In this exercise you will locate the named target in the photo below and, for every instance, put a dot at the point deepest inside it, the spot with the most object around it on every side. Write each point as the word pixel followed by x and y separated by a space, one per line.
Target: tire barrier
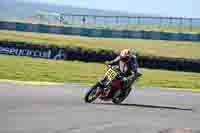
pixel 100 56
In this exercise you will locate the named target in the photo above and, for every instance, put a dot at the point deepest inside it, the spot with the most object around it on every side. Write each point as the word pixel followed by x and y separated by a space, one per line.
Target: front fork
pixel 105 87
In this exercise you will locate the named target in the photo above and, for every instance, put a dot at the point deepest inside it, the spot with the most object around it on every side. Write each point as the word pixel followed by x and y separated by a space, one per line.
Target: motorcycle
pixel 109 89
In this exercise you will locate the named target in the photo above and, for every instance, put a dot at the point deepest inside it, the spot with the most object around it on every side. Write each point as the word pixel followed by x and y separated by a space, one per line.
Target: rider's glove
pixel 107 64
pixel 124 79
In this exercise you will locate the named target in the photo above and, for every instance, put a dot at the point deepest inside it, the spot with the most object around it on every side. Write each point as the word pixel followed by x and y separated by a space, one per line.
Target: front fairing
pixel 113 77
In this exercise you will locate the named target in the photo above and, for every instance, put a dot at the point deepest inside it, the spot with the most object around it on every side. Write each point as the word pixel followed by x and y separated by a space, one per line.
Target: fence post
pixel 95 19
pixel 117 20
pixel 170 21
pixel 180 24
pixel 160 23
pixel 72 19
pixel 191 28
pixel 138 22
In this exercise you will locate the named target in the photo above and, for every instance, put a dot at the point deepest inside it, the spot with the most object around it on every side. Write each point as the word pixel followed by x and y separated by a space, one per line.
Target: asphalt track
pixel 61 109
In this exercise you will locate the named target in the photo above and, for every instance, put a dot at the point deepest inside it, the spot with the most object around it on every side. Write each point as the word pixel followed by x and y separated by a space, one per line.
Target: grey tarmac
pixel 28 108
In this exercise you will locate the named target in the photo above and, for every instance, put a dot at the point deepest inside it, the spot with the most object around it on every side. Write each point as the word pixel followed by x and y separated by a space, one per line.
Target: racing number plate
pixel 111 74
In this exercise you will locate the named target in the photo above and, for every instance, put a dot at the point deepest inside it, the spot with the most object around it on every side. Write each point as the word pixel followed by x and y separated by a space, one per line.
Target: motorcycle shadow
pixel 146 106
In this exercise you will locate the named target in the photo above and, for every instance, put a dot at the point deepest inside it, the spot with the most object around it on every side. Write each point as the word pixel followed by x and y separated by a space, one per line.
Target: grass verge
pixel 145 47
pixel 29 69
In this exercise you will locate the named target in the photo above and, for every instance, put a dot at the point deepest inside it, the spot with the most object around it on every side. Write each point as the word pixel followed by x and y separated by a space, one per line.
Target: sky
pixel 175 8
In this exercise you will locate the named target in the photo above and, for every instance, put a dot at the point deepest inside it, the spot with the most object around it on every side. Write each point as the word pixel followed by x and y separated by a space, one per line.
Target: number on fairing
pixel 111 74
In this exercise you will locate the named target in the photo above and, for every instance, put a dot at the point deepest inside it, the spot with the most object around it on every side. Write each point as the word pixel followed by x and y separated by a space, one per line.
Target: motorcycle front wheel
pixel 91 95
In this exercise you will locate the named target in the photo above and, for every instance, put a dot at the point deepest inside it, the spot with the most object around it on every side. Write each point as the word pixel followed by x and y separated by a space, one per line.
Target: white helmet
pixel 124 55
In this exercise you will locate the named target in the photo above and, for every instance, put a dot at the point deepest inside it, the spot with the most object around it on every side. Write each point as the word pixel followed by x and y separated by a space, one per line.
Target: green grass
pixel 29 69
pixel 148 47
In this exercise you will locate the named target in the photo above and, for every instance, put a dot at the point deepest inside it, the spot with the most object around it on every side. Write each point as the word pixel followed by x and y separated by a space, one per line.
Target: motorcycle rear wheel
pixel 120 99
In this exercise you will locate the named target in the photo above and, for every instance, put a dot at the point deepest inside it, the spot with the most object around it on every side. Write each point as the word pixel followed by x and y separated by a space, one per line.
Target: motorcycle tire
pixel 91 92
pixel 120 99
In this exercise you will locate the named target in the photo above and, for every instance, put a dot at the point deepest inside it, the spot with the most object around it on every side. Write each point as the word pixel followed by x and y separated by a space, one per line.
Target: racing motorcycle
pixel 109 89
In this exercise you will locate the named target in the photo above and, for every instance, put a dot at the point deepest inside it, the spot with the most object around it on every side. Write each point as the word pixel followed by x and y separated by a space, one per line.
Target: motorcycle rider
pixel 128 66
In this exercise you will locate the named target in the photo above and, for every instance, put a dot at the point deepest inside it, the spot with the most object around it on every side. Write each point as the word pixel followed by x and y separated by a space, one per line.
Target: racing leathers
pixel 129 70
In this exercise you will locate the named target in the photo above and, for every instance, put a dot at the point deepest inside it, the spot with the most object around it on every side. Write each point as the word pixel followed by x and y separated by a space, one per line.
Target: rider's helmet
pixel 124 55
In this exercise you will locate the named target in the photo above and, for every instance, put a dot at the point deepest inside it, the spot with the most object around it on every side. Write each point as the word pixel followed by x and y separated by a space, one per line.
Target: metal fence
pixel 169 24
pixel 94 32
